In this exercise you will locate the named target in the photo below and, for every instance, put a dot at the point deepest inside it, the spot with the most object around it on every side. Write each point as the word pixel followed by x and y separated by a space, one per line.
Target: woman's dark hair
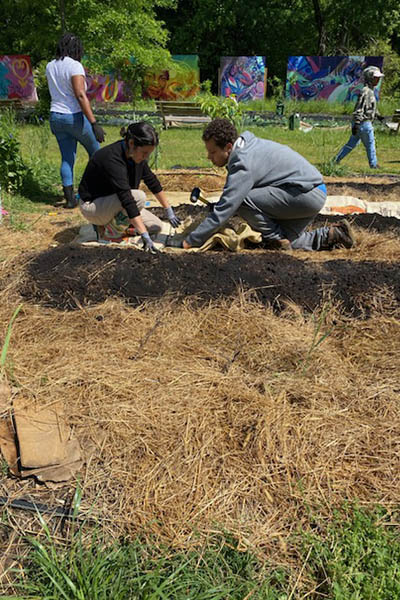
pixel 142 134
pixel 222 131
pixel 69 45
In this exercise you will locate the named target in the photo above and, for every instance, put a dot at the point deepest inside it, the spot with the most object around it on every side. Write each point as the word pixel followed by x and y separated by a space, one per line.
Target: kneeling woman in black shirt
pixel 111 182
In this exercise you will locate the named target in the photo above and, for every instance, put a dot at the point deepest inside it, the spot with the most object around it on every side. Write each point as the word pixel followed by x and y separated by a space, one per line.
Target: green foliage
pixel 321 332
pixel 205 86
pixel 124 35
pixel 390 89
pixel 330 168
pixel 12 167
pixel 353 556
pixel 275 87
pixel 6 343
pixel 356 556
pixel 211 28
pixel 224 108
pixel 94 570
pixel 42 107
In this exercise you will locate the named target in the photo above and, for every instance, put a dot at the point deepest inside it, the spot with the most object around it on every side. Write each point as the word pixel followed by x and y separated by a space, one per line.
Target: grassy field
pixel 184 147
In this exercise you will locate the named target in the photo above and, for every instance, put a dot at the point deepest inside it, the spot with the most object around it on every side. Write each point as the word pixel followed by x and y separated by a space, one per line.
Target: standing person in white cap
pixel 364 114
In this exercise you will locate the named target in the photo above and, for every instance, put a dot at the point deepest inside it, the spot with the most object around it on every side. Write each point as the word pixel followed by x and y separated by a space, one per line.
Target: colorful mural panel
pixel 16 78
pixel 179 82
pixel 332 78
pixel 106 88
pixel 243 76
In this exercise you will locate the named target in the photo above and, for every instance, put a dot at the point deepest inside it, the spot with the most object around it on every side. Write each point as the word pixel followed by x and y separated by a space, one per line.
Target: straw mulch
pixel 221 416
pixel 193 418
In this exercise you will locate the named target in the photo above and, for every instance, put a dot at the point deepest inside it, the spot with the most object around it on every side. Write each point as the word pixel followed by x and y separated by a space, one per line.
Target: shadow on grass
pixel 37 191
pixel 66 236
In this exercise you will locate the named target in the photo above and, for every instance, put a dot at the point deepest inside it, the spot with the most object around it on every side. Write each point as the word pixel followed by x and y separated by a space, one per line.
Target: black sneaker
pixel 340 235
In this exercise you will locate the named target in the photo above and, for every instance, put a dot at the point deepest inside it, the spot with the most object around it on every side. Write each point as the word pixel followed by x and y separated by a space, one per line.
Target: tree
pixel 276 29
pixel 112 32
pixel 320 22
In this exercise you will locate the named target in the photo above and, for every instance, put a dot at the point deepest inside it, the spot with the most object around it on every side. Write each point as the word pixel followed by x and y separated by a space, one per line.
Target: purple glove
pixel 172 218
pixel 148 244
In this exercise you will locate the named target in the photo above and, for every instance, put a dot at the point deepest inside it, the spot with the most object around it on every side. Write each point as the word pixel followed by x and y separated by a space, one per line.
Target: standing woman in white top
pixel 71 117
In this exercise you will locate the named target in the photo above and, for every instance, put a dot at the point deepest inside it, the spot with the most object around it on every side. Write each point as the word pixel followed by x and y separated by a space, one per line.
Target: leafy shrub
pixel 12 167
pixel 42 107
pixel 224 108
pixel 391 67
pixel 275 87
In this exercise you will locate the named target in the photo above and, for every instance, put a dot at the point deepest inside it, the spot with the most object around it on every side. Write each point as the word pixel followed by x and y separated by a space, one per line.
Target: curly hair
pixel 142 134
pixel 69 45
pixel 222 131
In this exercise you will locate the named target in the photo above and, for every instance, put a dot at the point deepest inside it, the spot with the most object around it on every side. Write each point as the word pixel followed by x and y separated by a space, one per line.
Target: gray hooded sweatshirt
pixel 255 163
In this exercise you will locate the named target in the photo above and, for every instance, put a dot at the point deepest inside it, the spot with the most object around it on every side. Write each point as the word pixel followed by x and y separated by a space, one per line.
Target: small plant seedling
pixel 6 343
pixel 318 336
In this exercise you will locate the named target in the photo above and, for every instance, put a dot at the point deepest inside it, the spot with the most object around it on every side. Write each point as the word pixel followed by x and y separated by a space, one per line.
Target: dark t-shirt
pixel 110 172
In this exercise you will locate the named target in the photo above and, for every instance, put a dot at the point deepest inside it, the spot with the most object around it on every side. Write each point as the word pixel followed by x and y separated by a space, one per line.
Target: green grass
pixel 96 570
pixel 354 556
pixel 387 106
pixel 184 147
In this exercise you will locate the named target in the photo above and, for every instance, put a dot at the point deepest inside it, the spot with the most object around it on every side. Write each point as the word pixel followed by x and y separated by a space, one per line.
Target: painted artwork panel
pixel 106 88
pixel 16 78
pixel 331 78
pixel 180 82
pixel 243 76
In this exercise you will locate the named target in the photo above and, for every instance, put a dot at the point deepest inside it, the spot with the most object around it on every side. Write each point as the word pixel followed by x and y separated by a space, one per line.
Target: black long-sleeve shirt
pixel 110 172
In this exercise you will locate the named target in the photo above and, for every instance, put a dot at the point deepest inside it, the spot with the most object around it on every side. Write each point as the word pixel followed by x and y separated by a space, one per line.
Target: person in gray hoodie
pixel 272 187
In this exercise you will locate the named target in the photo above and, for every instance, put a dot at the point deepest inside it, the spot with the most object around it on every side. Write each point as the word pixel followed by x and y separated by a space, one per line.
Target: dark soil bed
pixel 69 276
pixel 371 221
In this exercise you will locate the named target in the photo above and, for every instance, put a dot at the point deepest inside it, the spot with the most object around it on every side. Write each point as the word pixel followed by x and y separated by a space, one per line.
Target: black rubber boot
pixel 69 196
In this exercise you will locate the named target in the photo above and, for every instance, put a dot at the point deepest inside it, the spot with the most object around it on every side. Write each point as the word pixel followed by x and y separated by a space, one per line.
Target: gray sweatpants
pixel 285 213
pixel 103 209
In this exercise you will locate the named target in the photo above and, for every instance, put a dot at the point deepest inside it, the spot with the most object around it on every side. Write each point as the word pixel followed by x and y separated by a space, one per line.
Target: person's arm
pixel 238 184
pixel 138 224
pixel 78 86
pixel 162 198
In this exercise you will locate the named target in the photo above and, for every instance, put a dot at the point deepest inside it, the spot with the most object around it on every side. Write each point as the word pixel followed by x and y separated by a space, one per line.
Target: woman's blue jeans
pixel 70 129
pixel 365 135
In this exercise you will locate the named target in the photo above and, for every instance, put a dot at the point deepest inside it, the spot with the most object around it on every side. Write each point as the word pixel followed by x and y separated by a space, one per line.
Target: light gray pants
pixel 285 213
pixel 103 209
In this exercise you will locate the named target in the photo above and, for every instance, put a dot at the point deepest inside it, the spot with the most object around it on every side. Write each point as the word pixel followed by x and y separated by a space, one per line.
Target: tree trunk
pixel 62 15
pixel 321 28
